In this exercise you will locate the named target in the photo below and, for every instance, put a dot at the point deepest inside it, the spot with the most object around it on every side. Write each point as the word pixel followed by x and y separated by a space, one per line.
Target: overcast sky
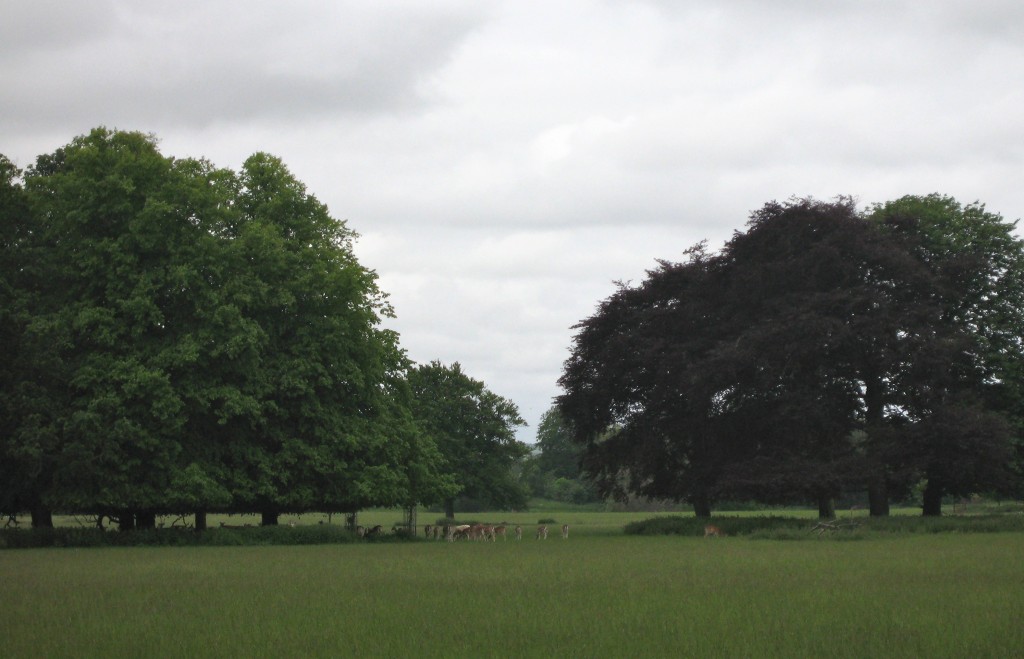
pixel 505 162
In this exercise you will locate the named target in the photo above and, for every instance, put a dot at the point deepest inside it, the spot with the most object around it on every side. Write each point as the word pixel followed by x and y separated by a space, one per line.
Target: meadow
pixel 599 593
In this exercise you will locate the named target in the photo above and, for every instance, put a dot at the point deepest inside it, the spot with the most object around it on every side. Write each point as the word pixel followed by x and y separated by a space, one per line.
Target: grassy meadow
pixel 598 594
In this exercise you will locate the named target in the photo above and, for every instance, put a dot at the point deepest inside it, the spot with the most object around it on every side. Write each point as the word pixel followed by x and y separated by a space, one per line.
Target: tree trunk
pixel 126 521
pixel 826 507
pixel 201 520
pixel 878 498
pixel 42 518
pixel 878 489
pixel 145 520
pixel 701 505
pixel 449 508
pixel 932 506
pixel 410 521
pixel 269 519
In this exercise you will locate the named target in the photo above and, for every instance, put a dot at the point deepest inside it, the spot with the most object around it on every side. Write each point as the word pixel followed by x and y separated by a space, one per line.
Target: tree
pixel 558 454
pixel 644 427
pixel 794 364
pixel 836 316
pixel 979 262
pixel 24 413
pixel 474 429
pixel 105 237
pixel 194 339
pixel 553 468
pixel 315 389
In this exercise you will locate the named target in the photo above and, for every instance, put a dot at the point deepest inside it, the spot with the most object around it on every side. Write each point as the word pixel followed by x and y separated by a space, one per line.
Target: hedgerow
pixel 256 535
pixel 788 528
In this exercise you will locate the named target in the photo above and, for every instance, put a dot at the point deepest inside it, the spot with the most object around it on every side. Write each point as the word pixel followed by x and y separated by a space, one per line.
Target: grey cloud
pixel 505 165
pixel 197 64
pixel 30 26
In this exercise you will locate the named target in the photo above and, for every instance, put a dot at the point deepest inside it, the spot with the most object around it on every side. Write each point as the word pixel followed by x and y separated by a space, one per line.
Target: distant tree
pixel 557 452
pixel 553 469
pixel 474 429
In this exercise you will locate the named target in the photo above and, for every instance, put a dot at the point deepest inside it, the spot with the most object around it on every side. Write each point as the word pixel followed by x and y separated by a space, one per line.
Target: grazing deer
pixel 542 533
pixel 427 530
pixel 458 531
pixel 375 531
pixel 565 531
pixel 437 532
pixel 519 533
pixel 711 530
pixel 498 530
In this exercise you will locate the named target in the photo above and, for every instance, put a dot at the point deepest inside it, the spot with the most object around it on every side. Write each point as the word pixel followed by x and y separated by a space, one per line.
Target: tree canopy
pixel 191 338
pixel 806 358
pixel 474 430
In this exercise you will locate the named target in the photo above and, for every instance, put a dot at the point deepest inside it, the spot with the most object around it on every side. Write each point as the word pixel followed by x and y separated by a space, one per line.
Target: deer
pixel 712 530
pixel 427 530
pixel 519 533
pixel 498 530
pixel 565 531
pixel 542 533
pixel 457 531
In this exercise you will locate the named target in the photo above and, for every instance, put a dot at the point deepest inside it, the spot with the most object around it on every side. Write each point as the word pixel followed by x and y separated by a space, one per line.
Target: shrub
pixel 794 528
pixel 178 537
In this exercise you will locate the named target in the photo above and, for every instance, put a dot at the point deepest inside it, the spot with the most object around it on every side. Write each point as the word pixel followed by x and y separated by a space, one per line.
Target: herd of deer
pixel 488 532
pixel 465 531
pixel 451 533
pixel 480 531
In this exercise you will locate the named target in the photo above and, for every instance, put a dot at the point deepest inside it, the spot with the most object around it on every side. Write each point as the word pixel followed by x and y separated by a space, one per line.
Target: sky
pixel 507 162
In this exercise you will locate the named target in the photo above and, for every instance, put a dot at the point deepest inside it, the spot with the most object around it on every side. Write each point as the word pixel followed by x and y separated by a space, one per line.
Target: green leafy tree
pixel 107 238
pixel 553 469
pixel 315 392
pixel 979 262
pixel 194 340
pixel 558 454
pixel 26 431
pixel 474 429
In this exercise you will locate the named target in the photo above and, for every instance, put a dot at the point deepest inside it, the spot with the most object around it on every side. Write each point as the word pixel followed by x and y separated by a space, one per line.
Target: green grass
pixel 597 594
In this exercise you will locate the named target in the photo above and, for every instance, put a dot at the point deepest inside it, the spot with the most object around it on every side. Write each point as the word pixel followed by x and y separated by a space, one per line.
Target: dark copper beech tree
pixel 805 359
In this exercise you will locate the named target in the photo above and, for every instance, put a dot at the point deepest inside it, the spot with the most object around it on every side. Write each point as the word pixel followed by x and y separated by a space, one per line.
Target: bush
pixel 794 528
pixel 176 537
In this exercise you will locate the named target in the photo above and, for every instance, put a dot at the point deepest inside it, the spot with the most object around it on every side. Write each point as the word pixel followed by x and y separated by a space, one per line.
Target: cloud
pixel 505 162
pixel 199 64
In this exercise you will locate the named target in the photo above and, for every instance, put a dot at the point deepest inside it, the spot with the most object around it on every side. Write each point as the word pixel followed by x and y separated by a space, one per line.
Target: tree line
pixel 823 350
pixel 182 338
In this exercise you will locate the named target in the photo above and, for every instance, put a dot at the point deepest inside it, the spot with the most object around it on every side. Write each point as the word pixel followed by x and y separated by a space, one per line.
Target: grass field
pixel 599 594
